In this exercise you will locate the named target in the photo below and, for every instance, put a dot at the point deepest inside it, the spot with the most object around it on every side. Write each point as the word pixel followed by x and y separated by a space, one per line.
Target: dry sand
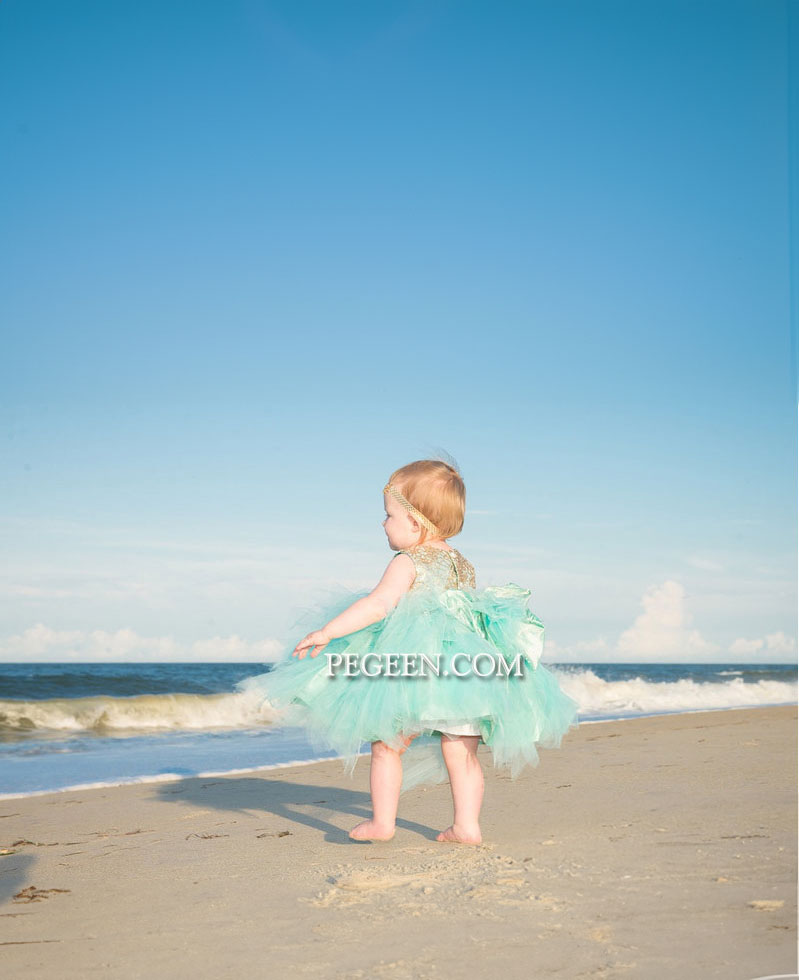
pixel 651 848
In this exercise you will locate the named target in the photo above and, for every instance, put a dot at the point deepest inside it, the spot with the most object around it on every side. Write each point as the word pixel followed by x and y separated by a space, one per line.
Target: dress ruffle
pixel 515 712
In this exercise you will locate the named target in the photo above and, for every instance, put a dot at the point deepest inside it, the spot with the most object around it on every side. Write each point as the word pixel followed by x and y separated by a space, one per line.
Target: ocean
pixel 74 725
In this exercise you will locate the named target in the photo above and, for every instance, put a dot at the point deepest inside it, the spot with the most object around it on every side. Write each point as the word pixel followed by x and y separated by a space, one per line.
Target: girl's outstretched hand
pixel 313 642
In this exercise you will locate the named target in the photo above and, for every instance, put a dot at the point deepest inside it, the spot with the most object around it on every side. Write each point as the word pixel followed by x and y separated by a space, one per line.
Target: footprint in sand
pixel 479 880
pixel 361 886
pixel 361 881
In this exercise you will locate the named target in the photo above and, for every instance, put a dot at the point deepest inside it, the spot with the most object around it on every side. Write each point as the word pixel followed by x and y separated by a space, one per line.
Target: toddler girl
pixel 425 654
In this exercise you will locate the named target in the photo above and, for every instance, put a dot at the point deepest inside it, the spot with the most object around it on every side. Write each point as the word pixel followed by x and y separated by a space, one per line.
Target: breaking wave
pixel 142 713
pixel 597 697
pixel 600 698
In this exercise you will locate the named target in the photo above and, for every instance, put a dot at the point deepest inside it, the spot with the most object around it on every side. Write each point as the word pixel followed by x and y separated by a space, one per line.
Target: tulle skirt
pixel 461 661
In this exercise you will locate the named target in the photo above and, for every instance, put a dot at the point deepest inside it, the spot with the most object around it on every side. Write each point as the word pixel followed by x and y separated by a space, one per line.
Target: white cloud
pixel 780 643
pixel 742 647
pixel 584 651
pixel 776 643
pixel 663 633
pixel 663 628
pixel 40 643
pixel 41 638
pixel 599 645
pixel 234 649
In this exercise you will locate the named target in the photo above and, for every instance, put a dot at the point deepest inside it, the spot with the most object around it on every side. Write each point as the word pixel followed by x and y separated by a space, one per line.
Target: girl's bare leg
pixel 466 782
pixel 385 783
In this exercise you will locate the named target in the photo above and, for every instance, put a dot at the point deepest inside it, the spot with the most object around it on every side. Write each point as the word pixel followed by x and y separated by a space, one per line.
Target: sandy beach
pixel 660 847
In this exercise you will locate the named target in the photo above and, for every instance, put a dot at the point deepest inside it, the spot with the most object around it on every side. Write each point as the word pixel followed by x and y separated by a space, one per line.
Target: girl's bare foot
pixel 453 836
pixel 369 830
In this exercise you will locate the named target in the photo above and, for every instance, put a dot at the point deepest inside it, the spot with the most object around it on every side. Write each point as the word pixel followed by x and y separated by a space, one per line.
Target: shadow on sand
pixel 293 802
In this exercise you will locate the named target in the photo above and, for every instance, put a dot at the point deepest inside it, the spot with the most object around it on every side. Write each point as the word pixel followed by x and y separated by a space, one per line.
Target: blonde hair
pixel 437 490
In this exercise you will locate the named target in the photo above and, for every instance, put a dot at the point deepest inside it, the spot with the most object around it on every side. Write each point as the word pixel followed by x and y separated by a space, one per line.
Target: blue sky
pixel 257 255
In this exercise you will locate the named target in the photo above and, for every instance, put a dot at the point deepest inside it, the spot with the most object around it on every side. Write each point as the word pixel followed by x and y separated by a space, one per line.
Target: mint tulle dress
pixel 458 688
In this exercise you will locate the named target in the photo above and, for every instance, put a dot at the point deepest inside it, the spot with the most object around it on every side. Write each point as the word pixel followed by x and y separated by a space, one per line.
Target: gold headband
pixel 390 488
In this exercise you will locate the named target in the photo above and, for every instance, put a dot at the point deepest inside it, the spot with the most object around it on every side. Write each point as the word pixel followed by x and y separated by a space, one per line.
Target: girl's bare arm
pixel 397 579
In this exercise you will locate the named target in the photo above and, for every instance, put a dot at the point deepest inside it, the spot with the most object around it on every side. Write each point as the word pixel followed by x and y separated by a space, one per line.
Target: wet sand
pixel 652 848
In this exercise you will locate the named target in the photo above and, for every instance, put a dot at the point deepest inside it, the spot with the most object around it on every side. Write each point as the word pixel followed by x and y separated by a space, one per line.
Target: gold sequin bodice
pixel 439 569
